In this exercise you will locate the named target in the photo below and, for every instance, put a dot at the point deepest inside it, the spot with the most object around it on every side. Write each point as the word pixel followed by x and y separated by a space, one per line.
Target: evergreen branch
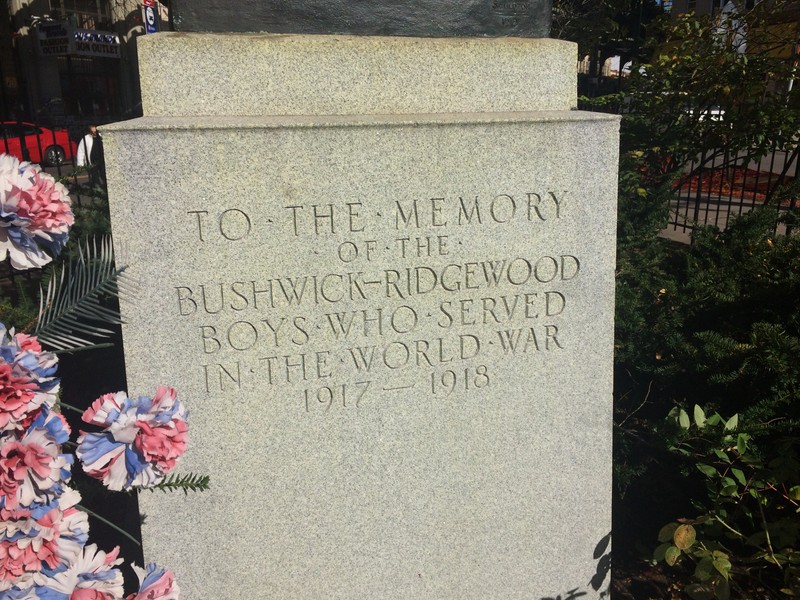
pixel 70 311
pixel 189 482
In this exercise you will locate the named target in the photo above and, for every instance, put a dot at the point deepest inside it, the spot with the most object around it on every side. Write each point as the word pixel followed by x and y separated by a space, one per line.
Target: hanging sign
pixel 149 16
pixel 91 42
pixel 53 38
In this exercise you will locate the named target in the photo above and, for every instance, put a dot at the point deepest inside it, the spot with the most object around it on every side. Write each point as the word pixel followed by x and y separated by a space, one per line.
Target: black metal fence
pixel 86 184
pixel 718 186
pixel 55 149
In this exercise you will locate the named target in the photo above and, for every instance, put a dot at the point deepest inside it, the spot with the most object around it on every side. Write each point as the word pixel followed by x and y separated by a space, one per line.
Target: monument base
pixel 394 334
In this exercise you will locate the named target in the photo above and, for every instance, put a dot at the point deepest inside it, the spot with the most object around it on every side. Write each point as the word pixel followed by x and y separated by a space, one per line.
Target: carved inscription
pixel 509 13
pixel 396 302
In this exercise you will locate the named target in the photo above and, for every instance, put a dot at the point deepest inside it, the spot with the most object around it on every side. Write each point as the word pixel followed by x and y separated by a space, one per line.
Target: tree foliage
pixel 605 28
pixel 714 87
pixel 710 328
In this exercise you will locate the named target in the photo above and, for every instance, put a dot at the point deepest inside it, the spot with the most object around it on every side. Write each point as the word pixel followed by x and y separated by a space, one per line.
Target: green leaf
pixel 714 419
pixel 704 569
pixel 729 490
pixel 707 470
pixel 722 590
pixel 794 492
pixel 683 419
pixel 722 455
pixel 660 553
pixel 699 416
pixel 741 443
pixel 732 423
pixel 739 474
pixel 781 558
pixel 723 567
pixel 671 555
pixel 667 531
pixel 684 536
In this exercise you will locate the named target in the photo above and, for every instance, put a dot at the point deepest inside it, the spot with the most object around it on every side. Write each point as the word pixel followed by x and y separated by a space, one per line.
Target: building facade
pixel 73 62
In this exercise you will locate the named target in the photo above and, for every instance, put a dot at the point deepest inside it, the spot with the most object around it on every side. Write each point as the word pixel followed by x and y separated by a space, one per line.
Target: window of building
pixel 84 14
pixel 90 86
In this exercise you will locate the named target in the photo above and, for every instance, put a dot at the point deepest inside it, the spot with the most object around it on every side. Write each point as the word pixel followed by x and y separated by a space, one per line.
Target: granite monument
pixel 380 272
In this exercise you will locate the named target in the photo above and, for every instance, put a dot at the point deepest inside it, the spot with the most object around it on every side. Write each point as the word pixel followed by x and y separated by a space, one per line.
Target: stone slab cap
pixel 207 74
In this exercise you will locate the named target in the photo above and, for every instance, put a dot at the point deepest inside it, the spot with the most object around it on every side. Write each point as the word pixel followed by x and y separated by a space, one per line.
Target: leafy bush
pixel 748 525
pixel 714 324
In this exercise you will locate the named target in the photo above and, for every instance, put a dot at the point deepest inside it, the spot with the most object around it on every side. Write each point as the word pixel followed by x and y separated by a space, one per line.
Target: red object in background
pixel 736 183
pixel 148 2
pixel 34 143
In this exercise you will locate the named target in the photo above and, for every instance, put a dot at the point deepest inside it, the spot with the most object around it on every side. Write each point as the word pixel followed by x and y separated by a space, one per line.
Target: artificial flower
pixel 142 440
pixel 27 379
pixel 19 590
pixel 43 538
pixel 91 576
pixel 155 583
pixel 35 213
pixel 32 467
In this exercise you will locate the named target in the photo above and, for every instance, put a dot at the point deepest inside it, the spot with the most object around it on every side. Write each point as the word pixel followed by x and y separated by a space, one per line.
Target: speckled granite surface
pixel 394 334
pixel 187 74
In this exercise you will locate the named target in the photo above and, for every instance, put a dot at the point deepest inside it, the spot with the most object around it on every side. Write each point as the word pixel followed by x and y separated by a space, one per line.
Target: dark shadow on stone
pixel 570 595
pixel 602 554
pixel 602 546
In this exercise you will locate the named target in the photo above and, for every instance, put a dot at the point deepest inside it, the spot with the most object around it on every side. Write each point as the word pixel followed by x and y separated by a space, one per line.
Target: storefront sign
pixel 53 39
pixel 90 42
pixel 61 39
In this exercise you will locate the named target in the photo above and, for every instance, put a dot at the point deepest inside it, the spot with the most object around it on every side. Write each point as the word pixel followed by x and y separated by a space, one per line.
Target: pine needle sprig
pixel 193 482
